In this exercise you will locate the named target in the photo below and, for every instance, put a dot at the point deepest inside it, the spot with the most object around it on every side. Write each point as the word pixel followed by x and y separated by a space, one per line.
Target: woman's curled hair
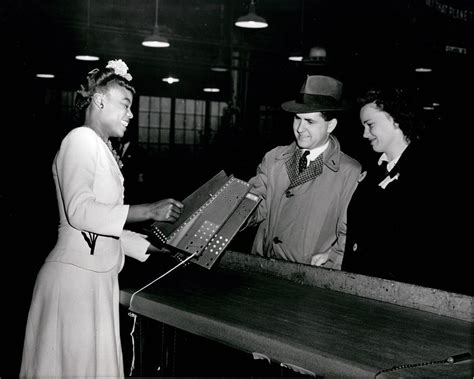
pixel 98 80
pixel 400 105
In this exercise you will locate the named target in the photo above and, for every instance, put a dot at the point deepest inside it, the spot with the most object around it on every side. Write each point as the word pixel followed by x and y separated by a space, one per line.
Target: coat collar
pixel 331 156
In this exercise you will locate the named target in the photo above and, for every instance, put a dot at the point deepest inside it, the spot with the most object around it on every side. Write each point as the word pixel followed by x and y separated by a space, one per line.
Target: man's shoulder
pixel 279 152
pixel 348 161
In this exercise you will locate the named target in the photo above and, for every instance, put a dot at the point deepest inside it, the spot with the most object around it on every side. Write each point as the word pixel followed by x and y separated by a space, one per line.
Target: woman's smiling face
pixel 379 128
pixel 117 113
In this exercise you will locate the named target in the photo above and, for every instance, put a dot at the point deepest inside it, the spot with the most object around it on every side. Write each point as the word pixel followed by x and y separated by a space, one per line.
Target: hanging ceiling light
pixel 87 57
pixel 297 55
pixel 211 85
pixel 170 79
pixel 423 69
pixel 155 39
pixel 45 76
pixel 317 56
pixel 219 64
pixel 251 20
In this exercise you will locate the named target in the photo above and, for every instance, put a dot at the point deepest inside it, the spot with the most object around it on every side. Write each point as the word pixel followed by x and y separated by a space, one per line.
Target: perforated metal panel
pixel 222 238
pixel 217 216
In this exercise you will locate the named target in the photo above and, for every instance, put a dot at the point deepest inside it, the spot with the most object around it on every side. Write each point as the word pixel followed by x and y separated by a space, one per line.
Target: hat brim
pixel 295 107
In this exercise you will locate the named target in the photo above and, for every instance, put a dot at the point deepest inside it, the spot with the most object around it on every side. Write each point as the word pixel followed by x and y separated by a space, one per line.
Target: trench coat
pixel 73 322
pixel 298 223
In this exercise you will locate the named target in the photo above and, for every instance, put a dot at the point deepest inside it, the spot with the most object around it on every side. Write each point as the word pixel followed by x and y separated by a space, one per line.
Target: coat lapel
pixel 314 169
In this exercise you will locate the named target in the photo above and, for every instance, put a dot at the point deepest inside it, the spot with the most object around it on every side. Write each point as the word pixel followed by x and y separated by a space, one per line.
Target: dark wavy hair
pixel 98 80
pixel 400 105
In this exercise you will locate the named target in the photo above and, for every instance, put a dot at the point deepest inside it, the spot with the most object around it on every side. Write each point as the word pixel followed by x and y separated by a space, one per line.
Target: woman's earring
pixel 101 106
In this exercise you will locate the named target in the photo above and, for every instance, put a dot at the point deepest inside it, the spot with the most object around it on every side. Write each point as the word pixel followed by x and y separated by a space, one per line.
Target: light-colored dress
pixel 73 321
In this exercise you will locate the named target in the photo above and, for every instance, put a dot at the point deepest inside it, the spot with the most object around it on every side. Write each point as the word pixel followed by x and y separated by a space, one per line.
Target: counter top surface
pixel 320 330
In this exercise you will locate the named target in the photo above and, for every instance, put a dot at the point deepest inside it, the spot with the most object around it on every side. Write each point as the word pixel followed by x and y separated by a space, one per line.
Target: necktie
pixel 303 163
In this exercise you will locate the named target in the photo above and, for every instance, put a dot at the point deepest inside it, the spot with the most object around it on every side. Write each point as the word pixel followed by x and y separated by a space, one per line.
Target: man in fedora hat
pixel 306 186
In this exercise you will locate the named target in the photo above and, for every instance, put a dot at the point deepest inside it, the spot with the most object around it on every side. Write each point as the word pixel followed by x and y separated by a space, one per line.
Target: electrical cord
pixel 451 360
pixel 134 316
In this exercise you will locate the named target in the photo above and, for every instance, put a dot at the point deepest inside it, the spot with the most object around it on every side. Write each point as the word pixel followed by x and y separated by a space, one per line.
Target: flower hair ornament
pixel 120 68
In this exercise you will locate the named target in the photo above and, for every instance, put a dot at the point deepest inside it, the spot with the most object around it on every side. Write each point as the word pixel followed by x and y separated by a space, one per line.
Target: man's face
pixel 312 130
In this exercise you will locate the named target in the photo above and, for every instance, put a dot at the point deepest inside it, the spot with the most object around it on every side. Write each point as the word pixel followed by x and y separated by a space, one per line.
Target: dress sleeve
pixel 76 166
pixel 135 245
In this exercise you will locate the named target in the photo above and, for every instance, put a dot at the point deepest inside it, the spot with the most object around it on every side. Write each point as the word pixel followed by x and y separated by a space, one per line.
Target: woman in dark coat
pixel 398 226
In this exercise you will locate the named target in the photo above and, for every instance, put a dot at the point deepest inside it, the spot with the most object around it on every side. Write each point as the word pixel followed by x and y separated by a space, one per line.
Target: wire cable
pixel 131 314
pixel 162 276
pixel 451 360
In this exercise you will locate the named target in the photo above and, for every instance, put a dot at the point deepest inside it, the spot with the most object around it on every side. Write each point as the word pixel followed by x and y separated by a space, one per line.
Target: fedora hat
pixel 319 93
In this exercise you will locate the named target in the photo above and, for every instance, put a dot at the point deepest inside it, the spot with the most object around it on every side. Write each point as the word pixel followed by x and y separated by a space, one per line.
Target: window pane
pixel 214 123
pixel 214 108
pixel 199 122
pixel 142 135
pixel 166 104
pixel 155 104
pixel 179 121
pixel 143 119
pixel 165 121
pixel 179 136
pixel 154 120
pixel 189 140
pixel 180 105
pixel 189 106
pixel 164 136
pixel 200 107
pixel 154 135
pixel 144 103
pixel 190 121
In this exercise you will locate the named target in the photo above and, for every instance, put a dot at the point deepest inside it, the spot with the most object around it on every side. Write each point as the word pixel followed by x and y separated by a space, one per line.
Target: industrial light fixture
pixel 219 65
pixel 317 56
pixel 251 20
pixel 45 76
pixel 211 83
pixel 87 57
pixel 423 69
pixel 170 79
pixel 155 39
pixel 297 55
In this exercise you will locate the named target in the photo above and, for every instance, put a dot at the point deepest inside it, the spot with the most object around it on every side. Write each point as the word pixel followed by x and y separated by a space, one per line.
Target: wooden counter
pixel 328 332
